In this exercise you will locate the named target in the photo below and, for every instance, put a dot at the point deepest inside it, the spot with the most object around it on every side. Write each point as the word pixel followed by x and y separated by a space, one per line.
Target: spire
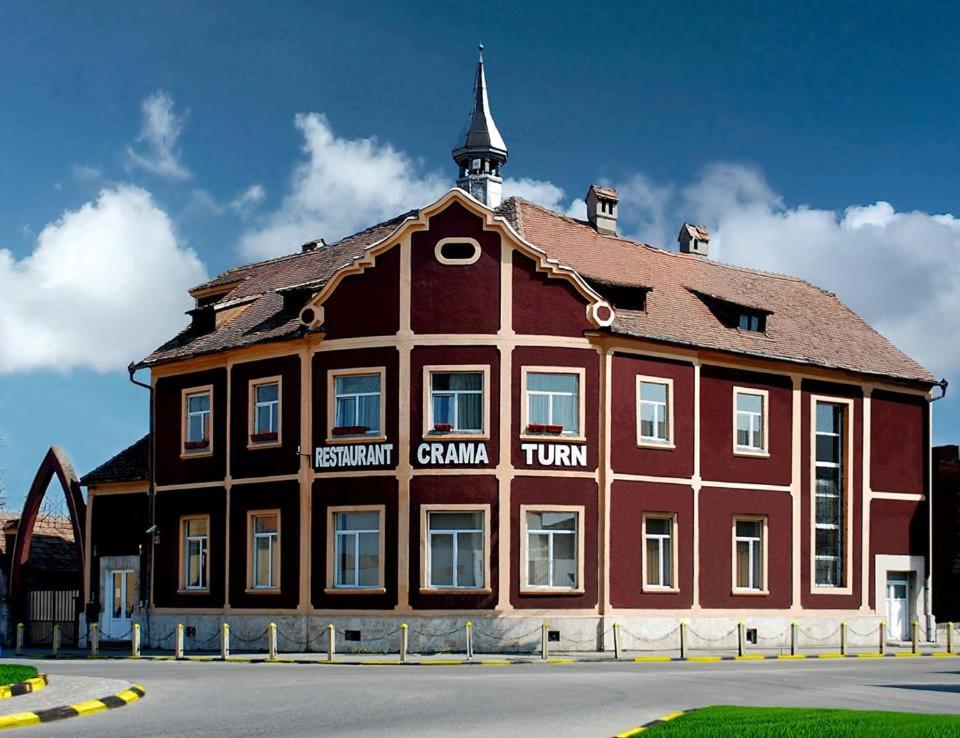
pixel 480 149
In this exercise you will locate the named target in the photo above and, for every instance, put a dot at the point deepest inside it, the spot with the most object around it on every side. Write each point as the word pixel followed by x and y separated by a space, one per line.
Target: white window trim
pixel 275 569
pixel 425 586
pixel 185 396
pixel 428 371
pixel 254 405
pixel 581 373
pixel 645 442
pixel 438 251
pixel 764 396
pixel 847 485
pixel 332 375
pixel 764 588
pixel 185 588
pixel 647 587
pixel 332 587
pixel 526 588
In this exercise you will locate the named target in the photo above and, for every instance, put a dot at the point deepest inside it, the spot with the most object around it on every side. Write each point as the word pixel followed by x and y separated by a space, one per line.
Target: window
pixel 264 528
pixel 749 422
pixel 195 531
pixel 265 412
pixel 829 498
pixel 750 322
pixel 457 402
pixel 356 405
pixel 553 548
pixel 659 551
pixel 457 251
pixel 654 405
pixel 197 419
pixel 455 549
pixel 553 402
pixel 749 554
pixel 358 554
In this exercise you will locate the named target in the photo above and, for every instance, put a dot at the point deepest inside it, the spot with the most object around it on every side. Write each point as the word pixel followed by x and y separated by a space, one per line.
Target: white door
pixel 898 608
pixel 118 616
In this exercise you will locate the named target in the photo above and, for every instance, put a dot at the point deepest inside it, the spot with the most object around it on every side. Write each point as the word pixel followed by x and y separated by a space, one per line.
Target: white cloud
pixel 248 199
pixel 243 204
pixel 85 173
pixel 342 186
pixel 105 284
pixel 161 128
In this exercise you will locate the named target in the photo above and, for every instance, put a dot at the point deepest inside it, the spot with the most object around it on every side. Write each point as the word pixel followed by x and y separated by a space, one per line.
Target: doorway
pixel 118 616
pixel 898 606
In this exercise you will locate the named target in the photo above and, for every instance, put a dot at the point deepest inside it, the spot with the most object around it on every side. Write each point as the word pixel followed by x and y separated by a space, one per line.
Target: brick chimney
pixel 602 209
pixel 694 239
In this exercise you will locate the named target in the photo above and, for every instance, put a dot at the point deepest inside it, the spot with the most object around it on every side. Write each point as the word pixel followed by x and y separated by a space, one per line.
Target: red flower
pixel 350 430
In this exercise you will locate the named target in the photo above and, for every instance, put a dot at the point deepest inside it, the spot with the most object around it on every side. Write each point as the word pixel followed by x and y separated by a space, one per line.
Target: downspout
pixel 152 506
pixel 928 585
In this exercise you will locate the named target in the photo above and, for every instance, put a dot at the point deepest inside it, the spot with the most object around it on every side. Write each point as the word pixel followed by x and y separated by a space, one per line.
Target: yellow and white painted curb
pixel 20 719
pixel 646 726
pixel 25 687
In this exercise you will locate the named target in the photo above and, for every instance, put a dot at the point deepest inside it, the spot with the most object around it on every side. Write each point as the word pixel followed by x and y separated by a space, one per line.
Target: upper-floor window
pixel 264 527
pixel 197 421
pixel 829 494
pixel 749 554
pixel 654 406
pixel 748 321
pixel 750 421
pixel 357 403
pixel 554 404
pixel 456 402
pixel 265 411
pixel 194 533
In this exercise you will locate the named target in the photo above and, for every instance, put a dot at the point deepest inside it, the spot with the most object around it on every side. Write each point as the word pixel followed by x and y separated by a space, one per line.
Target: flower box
pixel 545 429
pixel 264 437
pixel 350 430
pixel 196 445
pixel 442 427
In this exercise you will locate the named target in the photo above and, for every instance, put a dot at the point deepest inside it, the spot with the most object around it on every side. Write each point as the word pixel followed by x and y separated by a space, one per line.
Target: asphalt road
pixel 549 699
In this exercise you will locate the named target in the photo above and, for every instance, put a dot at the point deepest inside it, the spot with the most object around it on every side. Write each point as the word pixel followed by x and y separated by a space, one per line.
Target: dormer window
pixel 750 321
pixel 746 319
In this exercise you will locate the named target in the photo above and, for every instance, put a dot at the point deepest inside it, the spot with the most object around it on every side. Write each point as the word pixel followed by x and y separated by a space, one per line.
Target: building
pixel 946 533
pixel 486 410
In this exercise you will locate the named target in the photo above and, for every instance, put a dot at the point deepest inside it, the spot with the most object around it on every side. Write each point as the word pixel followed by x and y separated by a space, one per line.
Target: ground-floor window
pixel 749 540
pixel 552 548
pixel 264 549
pixel 357 548
pixel 659 540
pixel 456 547
pixel 194 532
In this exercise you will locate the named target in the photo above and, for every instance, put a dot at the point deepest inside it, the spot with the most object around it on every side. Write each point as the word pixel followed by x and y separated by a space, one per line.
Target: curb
pixel 646 726
pixel 20 719
pixel 25 687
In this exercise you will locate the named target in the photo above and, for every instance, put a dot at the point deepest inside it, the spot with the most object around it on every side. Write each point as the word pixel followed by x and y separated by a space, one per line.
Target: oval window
pixel 458 251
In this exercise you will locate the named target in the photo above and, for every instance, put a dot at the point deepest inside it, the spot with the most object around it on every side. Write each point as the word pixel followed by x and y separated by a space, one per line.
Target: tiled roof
pixel 51 547
pixel 605 192
pixel 805 325
pixel 130 465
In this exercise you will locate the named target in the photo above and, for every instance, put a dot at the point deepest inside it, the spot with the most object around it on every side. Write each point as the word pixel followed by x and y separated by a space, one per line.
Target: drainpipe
pixel 928 594
pixel 151 502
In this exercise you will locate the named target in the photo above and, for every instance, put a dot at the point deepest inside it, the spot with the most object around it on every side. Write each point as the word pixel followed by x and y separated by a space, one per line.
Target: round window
pixel 458 251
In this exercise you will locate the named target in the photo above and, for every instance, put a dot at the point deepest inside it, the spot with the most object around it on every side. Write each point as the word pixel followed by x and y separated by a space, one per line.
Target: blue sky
pixel 143 148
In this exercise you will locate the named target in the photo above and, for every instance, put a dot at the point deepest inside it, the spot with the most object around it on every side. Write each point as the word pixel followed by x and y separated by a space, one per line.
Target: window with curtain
pixel 195 531
pixel 829 466
pixel 357 405
pixel 456 550
pixel 552 549
pixel 357 549
pixel 659 544
pixel 265 532
pixel 553 403
pixel 456 401
pixel 266 409
pixel 654 411
pixel 749 421
pixel 749 541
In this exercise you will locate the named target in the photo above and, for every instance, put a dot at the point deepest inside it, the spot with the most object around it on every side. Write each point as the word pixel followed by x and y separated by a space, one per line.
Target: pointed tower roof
pixel 480 136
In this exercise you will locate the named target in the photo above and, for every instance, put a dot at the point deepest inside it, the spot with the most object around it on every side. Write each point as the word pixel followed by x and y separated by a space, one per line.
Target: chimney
pixel 694 239
pixel 602 209
pixel 313 245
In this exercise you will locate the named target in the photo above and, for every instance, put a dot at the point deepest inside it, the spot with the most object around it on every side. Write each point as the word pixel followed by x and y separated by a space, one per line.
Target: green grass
pixel 13 673
pixel 788 722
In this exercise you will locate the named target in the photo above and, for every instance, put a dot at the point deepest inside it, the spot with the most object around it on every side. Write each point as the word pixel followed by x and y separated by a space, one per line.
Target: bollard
pixel 225 641
pixel 617 648
pixel 135 641
pixel 469 640
pixel 19 648
pixel 882 639
pixel 272 641
pixel 403 643
pixel 741 645
pixel 916 636
pixel 793 637
pixel 843 637
pixel 330 645
pixel 544 646
pixel 178 643
pixel 55 642
pixel 95 640
pixel 949 637
pixel 683 639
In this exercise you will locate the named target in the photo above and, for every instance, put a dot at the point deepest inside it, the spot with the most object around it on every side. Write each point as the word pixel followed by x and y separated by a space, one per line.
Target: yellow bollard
pixel 544 646
pixel 95 640
pixel 883 637
pixel 843 637
pixel 403 642
pixel 225 641
pixel 741 641
pixel 683 639
pixel 949 637
pixel 272 641
pixel 178 644
pixel 469 640
pixel 135 641
pixel 55 643
pixel 617 648
pixel 793 637
pixel 19 648
pixel 330 645
pixel 916 637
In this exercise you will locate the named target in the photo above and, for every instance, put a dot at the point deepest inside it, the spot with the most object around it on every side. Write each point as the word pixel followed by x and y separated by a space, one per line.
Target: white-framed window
pixel 553 548
pixel 457 402
pixel 659 543
pixel 358 549
pixel 197 430
pixel 654 411
pixel 264 527
pixel 265 397
pixel 749 421
pixel 829 441
pixel 749 554
pixel 554 401
pixel 455 549
pixel 195 532
pixel 356 403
